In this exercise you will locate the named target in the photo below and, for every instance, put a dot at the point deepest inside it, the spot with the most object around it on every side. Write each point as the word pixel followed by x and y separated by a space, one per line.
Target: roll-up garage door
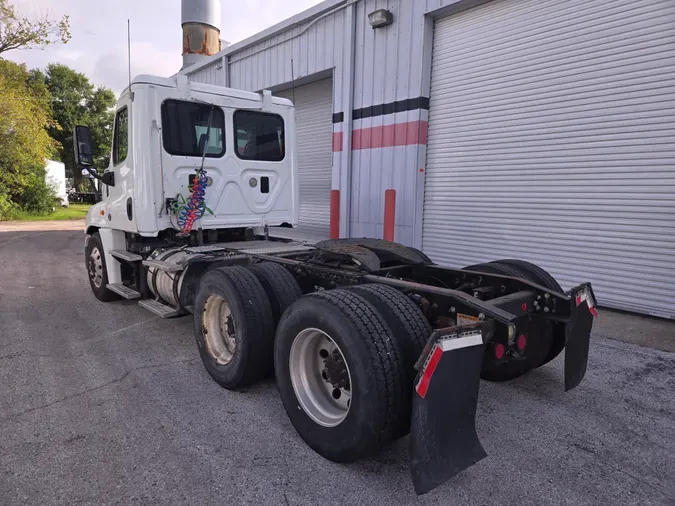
pixel 314 119
pixel 552 139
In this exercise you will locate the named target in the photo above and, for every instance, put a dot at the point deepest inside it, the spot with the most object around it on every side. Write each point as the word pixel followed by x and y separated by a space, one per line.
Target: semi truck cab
pixel 166 129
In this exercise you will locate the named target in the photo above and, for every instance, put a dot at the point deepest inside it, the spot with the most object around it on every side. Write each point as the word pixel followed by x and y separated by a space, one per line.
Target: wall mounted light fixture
pixel 380 18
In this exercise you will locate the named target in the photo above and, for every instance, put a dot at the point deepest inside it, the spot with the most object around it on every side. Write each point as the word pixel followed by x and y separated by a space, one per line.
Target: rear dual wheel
pixel 543 278
pixel 544 338
pixel 233 326
pixel 344 361
pixel 411 331
pixel 343 358
pixel 234 317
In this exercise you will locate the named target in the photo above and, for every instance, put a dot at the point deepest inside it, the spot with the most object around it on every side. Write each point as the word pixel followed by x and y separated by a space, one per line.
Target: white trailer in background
pixel 56 178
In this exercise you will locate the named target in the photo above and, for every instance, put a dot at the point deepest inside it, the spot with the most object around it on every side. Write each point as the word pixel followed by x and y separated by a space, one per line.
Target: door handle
pixel 130 210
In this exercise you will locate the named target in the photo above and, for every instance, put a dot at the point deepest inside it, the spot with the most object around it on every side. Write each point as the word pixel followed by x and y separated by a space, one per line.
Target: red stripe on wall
pixel 337 141
pixel 399 134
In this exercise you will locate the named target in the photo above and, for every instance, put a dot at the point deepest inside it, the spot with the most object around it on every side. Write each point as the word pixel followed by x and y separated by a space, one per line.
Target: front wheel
pixel 96 269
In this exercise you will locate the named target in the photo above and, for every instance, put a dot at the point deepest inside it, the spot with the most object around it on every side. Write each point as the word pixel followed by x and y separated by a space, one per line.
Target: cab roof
pixel 172 82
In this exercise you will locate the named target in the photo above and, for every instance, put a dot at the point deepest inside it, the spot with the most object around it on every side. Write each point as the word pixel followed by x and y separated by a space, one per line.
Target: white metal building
pixel 537 129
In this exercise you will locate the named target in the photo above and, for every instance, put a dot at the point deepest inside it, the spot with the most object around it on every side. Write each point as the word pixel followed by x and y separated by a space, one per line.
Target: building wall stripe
pixel 337 141
pixel 400 134
pixel 410 104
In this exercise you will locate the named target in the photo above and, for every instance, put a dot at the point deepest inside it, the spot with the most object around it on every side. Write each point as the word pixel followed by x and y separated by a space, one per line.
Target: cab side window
pixel 121 136
pixel 259 136
pixel 193 129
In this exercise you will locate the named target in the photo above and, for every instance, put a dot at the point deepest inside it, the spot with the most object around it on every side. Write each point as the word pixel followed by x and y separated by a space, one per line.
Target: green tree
pixel 76 101
pixel 25 116
pixel 20 32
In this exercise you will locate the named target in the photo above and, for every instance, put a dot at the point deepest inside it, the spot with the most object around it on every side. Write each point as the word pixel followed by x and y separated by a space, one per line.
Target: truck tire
pixel 233 326
pixel 97 270
pixel 535 272
pixel 543 278
pixel 498 371
pixel 495 268
pixel 340 375
pixel 411 330
pixel 280 286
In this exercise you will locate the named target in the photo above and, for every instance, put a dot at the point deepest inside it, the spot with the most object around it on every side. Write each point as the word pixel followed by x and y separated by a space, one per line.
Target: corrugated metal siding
pixel 388 67
pixel 268 63
pixel 552 139
pixel 313 114
pixel 210 74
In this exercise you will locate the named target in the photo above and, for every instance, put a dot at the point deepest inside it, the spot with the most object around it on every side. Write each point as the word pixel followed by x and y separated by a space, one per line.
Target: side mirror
pixel 83 147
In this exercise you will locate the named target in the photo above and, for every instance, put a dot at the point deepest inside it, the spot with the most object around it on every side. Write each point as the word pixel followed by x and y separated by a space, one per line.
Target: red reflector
pixel 593 311
pixel 428 372
pixel 524 307
pixel 521 342
pixel 500 350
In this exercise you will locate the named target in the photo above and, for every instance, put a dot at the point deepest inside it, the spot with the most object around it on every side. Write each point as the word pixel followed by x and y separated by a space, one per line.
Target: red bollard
pixel 389 215
pixel 334 214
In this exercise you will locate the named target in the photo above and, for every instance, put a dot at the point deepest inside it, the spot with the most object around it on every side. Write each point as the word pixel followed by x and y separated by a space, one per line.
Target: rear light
pixel 500 351
pixel 521 342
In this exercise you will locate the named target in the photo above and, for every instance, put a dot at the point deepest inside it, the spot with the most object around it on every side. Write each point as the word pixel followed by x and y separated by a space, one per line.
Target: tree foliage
pixel 20 32
pixel 76 101
pixel 25 117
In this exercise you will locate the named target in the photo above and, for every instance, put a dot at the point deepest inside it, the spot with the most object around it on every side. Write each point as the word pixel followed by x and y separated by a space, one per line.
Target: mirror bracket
pixel 108 178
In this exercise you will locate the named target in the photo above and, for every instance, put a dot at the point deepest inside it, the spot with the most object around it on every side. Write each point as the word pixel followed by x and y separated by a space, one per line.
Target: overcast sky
pixel 98 47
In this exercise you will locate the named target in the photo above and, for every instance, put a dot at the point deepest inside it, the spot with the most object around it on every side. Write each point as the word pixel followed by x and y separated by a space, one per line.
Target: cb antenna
pixel 293 81
pixel 129 50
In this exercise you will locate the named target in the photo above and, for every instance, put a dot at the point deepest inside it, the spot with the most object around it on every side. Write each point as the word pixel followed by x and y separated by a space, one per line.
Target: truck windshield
pixel 184 127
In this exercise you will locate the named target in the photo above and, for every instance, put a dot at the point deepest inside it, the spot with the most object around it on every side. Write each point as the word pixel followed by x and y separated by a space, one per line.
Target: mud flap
pixel 443 439
pixel 578 335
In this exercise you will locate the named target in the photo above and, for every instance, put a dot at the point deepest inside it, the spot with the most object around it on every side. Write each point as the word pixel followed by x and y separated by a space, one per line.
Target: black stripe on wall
pixel 410 104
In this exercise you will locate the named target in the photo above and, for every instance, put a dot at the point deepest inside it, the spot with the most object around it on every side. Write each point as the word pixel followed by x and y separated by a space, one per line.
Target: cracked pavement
pixel 107 404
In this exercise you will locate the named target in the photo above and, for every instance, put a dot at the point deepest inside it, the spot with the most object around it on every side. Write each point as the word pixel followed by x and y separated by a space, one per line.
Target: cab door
pixel 119 208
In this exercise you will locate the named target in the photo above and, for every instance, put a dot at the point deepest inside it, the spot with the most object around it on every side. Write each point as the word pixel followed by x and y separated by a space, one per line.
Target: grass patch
pixel 74 212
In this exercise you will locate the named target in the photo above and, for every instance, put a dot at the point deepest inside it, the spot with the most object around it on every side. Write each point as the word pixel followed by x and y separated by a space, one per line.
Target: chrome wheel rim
pixel 219 329
pixel 321 378
pixel 96 267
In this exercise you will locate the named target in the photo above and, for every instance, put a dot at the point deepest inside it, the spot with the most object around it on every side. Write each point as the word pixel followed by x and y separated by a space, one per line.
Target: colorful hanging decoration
pixel 190 210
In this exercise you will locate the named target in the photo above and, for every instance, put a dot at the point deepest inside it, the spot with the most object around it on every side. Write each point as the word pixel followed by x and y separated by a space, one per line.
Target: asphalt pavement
pixel 108 404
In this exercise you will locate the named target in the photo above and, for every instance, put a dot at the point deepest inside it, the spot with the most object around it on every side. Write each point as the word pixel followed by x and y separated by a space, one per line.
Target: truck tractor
pixel 369 340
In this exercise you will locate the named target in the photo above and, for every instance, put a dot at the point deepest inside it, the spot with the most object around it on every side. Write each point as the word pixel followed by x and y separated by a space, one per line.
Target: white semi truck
pixel 369 340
